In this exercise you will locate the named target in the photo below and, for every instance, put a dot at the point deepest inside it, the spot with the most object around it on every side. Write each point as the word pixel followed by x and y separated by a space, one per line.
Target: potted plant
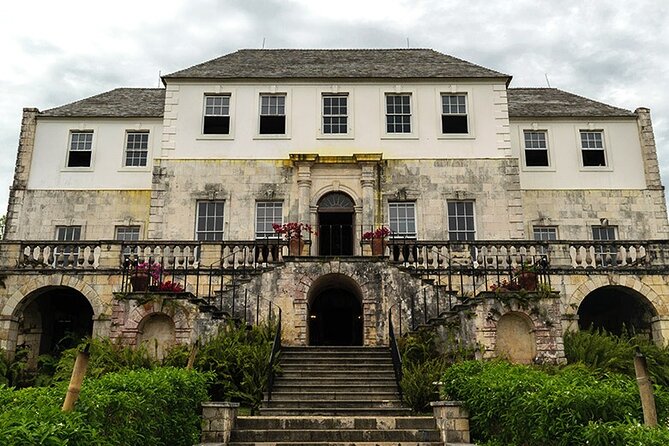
pixel 377 237
pixel 143 274
pixel 292 232
pixel 526 276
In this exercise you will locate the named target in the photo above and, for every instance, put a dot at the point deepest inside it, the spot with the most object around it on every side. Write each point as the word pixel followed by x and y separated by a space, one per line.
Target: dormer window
pixel 216 115
pixel 272 114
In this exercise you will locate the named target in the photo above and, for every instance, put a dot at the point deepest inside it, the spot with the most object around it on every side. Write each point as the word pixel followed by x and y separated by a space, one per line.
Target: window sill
pixel 399 136
pixel 596 169
pixel 134 169
pixel 214 137
pixel 77 169
pixel 456 136
pixel 271 137
pixel 346 136
pixel 538 169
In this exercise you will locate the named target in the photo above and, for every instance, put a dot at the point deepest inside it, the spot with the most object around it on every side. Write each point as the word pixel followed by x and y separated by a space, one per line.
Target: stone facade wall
pixel 96 211
pixel 638 214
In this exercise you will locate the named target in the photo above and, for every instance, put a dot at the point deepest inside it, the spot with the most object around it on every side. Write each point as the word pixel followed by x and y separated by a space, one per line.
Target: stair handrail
pixel 276 348
pixel 394 349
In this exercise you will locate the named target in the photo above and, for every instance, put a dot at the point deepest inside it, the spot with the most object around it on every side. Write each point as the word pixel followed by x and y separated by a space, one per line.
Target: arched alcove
pixel 616 309
pixel 335 311
pixel 157 333
pixel 515 339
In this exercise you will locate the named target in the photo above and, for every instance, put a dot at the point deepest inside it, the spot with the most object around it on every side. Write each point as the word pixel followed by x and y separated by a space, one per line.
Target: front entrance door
pixel 335 318
pixel 335 225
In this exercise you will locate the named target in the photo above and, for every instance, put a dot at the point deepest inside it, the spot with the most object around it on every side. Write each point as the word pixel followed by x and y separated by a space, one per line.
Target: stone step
pixel 340 361
pixel 330 443
pixel 334 350
pixel 338 387
pixel 344 368
pixel 334 404
pixel 344 374
pixel 281 395
pixel 389 422
pixel 335 411
pixel 341 435
pixel 337 380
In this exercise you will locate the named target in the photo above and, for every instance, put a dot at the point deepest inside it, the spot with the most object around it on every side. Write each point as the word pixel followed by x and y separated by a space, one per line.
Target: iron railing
pixel 394 350
pixel 273 357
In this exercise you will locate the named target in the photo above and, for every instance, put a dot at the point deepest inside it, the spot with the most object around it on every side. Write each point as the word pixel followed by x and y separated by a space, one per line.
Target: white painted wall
pixel 624 168
pixel 488 122
pixel 52 136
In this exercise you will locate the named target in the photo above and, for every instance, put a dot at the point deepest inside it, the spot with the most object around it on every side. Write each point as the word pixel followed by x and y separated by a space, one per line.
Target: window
pixel 592 148
pixel 136 149
pixel 398 113
pixel 216 115
pixel 127 233
pixel 454 113
pixel 68 233
pixel 542 233
pixel 81 146
pixel 603 233
pixel 272 114
pixel 335 114
pixel 209 221
pixel 268 212
pixel 461 220
pixel 536 149
pixel 402 219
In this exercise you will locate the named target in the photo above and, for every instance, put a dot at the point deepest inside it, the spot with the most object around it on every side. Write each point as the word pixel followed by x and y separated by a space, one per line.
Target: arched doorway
pixel 157 333
pixel 335 312
pixel 515 338
pixel 52 319
pixel 335 224
pixel 616 309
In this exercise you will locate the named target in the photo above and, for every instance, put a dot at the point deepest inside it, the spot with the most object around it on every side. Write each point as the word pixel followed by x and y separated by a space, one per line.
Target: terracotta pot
pixel 377 246
pixel 295 247
pixel 140 282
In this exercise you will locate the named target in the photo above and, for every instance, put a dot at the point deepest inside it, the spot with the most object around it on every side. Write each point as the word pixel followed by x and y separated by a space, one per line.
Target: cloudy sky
pixel 55 52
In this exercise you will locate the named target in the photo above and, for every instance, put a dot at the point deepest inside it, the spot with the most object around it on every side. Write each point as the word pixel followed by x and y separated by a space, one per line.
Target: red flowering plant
pixel 292 230
pixel 153 269
pixel 378 233
pixel 170 287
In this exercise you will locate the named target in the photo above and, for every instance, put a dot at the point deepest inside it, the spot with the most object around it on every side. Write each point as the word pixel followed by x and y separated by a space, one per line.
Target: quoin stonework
pixel 512 215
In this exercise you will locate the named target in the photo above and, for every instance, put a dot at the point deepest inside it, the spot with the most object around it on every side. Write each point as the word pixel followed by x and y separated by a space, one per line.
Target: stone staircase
pixel 335 396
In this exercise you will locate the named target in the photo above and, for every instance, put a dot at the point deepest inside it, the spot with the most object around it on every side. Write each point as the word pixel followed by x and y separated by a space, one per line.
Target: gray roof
pixel 118 103
pixel 554 103
pixel 336 64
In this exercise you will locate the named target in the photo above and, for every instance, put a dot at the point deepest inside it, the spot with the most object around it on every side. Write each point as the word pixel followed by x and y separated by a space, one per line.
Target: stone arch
pixel 335 311
pixel 616 309
pixel 515 338
pixel 594 282
pixel 325 190
pixel 157 332
pixel 337 220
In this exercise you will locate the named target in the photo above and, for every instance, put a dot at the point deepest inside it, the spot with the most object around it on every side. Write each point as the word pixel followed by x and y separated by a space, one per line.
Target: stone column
pixel 218 419
pixel 452 421
pixel 368 181
pixel 303 163
pixel 660 330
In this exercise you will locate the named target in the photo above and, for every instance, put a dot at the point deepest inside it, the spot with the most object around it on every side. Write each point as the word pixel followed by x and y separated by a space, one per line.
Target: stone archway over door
pixel 335 224
pixel 335 311
pixel 515 339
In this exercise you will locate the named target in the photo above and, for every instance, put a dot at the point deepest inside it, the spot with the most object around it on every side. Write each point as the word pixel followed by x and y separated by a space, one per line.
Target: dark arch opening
pixel 616 309
pixel 54 319
pixel 335 224
pixel 335 312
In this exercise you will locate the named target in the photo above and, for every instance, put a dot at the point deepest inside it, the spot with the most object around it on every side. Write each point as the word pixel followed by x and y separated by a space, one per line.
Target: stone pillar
pixel 647 139
pixel 452 421
pixel 368 181
pixel 9 332
pixel 218 419
pixel 660 330
pixel 304 195
pixel 21 172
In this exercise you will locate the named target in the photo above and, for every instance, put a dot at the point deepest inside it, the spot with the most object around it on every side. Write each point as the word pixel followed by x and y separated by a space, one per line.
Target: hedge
pixel 147 407
pixel 521 405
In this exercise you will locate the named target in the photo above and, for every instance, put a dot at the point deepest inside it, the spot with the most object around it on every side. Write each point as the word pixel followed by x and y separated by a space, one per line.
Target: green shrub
pixel 147 407
pixel 418 388
pixel 514 404
pixel 606 353
pixel 625 434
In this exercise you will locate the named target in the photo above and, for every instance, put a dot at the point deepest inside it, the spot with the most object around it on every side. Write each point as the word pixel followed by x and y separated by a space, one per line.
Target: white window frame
pixel 63 234
pixel 413 115
pixel 126 148
pixel 269 231
pixel 136 229
pixel 457 113
pixel 205 114
pixel 542 230
pixel 395 222
pixel 524 148
pixel 603 149
pixel 91 149
pixel 395 114
pixel 455 232
pixel 287 121
pixel 201 234
pixel 346 115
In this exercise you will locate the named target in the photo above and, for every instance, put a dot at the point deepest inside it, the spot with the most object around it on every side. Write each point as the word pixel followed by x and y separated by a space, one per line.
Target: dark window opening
pixel 536 158
pixel 217 125
pixel 454 124
pixel 272 125
pixel 592 158
pixel 79 159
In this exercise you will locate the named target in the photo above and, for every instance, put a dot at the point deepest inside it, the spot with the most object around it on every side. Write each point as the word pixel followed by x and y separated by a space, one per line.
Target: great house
pixel 354 194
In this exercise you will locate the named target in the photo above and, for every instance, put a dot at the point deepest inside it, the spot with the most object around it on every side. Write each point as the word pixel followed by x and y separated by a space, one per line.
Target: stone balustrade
pixel 420 254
